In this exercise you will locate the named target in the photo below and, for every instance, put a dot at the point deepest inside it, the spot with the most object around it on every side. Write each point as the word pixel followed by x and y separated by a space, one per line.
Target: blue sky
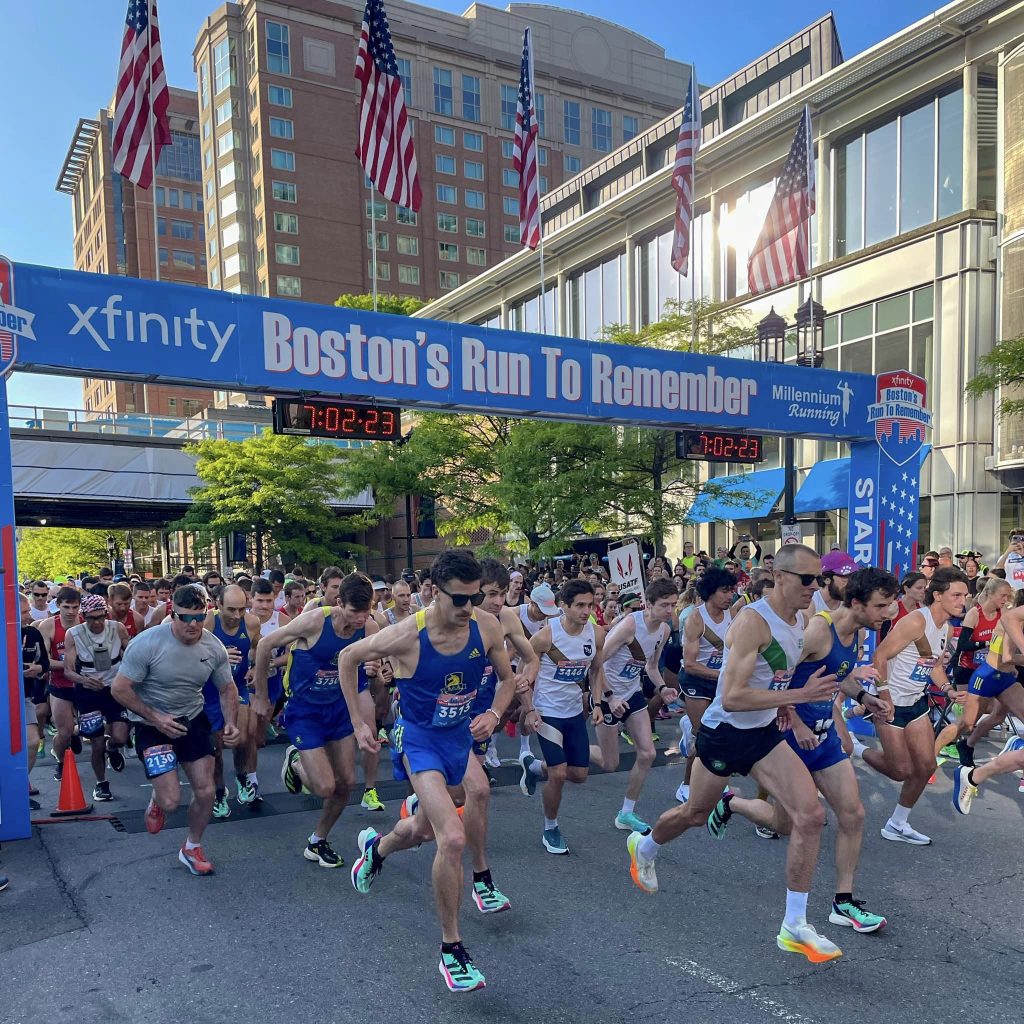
pixel 61 61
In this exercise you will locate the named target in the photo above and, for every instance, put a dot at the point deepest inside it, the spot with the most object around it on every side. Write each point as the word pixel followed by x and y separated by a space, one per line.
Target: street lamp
pixel 771 339
pixel 111 548
pixel 810 334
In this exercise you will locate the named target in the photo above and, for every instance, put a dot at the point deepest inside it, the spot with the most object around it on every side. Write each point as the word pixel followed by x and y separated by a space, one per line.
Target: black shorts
pixel 673 655
pixel 91 703
pixel 903 716
pixel 726 750
pixel 39 687
pixel 962 677
pixel 193 746
pixel 697 688
pixel 63 692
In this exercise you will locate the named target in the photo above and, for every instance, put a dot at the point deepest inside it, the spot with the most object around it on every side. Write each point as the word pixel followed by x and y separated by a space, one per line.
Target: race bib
pixel 714 662
pixel 159 760
pixel 781 679
pixel 571 671
pixel 632 668
pixel 922 671
pixel 325 683
pixel 91 723
pixel 452 708
pixel 821 726
pixel 980 656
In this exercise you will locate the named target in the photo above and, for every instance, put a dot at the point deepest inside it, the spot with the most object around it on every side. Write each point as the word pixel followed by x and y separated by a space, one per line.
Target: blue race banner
pixel 91 324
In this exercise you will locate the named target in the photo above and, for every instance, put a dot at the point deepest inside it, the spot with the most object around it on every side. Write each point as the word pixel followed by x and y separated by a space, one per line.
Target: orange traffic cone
pixel 71 800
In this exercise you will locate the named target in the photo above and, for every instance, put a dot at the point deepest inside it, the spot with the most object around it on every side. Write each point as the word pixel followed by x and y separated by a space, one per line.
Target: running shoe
pixel 4 882
pixel 527 781
pixel 101 792
pixel 75 743
pixel 663 714
pixel 931 779
pixel 58 772
pixel 246 792
pixel 367 868
pixel 641 869
pixel 41 748
pixel 852 914
pixel 51 729
pixel 963 791
pixel 719 817
pixel 290 770
pixel 409 805
pixel 904 834
pixel 965 752
pixel 1012 744
pixel 269 732
pixel 491 758
pixel 371 802
pixel 34 805
pixel 459 972
pixel 625 735
pixel 806 941
pixel 195 860
pixel 154 818
pixel 257 796
pixel 683 793
pixel 221 807
pixel 488 899
pixel 115 759
pixel 553 841
pixel 763 832
pixel 382 737
pixel 322 854
pixel 631 823
pixel 655 738
pixel 950 751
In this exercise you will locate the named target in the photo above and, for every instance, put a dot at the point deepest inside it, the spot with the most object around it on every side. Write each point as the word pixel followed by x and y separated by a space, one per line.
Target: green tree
pixel 1003 367
pixel 275 487
pixel 404 305
pixel 46 552
pixel 698 325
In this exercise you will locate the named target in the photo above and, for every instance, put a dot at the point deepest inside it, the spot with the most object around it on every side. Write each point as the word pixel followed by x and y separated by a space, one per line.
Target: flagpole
pixel 543 311
pixel 152 160
pixel 810 239
pixel 373 243
pixel 694 100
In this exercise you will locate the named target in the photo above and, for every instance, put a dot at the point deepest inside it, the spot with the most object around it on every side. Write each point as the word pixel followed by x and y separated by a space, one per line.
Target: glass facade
pixel 601 129
pixel 181 159
pixel 571 122
pixel 405 74
pixel 471 97
pixel 659 282
pixel 225 73
pixel 443 93
pixel 509 99
pixel 278 50
pixel 597 298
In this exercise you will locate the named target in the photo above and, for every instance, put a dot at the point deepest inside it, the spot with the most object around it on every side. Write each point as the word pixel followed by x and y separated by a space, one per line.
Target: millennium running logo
pixel 899 415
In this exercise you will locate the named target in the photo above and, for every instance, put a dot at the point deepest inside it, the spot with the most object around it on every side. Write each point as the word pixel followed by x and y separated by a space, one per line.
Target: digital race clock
pixel 320 417
pixel 715 446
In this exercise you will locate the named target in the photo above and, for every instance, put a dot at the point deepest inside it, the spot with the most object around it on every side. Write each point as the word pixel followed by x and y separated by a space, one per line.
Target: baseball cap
pixel 379 585
pixel 839 563
pixel 544 598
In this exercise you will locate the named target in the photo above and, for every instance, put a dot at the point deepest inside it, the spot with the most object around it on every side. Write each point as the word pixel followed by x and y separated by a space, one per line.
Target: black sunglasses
pixel 461 600
pixel 805 578
pixel 183 617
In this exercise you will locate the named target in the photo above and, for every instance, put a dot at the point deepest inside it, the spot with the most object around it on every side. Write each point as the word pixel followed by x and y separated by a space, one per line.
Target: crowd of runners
pixel 785 668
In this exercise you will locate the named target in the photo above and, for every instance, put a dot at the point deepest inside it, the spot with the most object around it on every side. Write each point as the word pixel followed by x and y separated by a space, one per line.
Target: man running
pixel 39 607
pixel 330 584
pixel 119 602
pixel 322 752
pixel 270 619
pixel 62 690
pixel 908 660
pixel 92 652
pixel 439 657
pixel 632 647
pixel 294 598
pixel 741 734
pixel 160 682
pixel 401 606
pixel 836 569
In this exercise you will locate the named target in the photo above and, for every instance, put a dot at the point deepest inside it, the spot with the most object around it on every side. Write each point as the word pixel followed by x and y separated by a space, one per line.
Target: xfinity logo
pixel 111 325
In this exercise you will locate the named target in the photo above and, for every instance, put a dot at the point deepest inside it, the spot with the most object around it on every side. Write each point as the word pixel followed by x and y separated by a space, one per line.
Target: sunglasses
pixel 189 619
pixel 806 578
pixel 101 617
pixel 40 593
pixel 461 600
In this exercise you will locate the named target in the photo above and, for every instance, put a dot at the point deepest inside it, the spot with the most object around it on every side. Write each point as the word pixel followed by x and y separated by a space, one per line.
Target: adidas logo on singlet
pixel 475 653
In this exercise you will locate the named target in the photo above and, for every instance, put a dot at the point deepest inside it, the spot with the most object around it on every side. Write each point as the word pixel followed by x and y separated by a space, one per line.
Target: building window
pixel 408 245
pixel 448 279
pixel 448 252
pixel 470 98
pixel 181 158
pixel 287 253
pixel 473 169
pixel 447 194
pixel 630 127
pixel 259 226
pixel 227 142
pixel 207 128
pixel 538 106
pixel 282 128
pixel 182 229
pixel 377 210
pixel 444 164
pixel 290 286
pixel 510 206
pixel 204 84
pixel 408 275
pixel 225 74
pixel 510 177
pixel 405 216
pixel 405 74
pixel 383 270
pixel 601 129
pixel 250 53
pixel 214 277
pixel 444 135
pixel 184 260
pixel 571 122
pixel 383 241
pixel 443 92
pixel 279 59
pixel 512 233
pixel 542 156
pixel 285 223
pixel 448 223
pixel 508 149
pixel 475 227
pixel 572 164
pixel 282 159
pixel 473 141
pixel 223 113
pixel 161 226
pixel 474 199
pixel 476 257
pixel 161 199
pixel 279 95
pixel 284 191
pixel 509 101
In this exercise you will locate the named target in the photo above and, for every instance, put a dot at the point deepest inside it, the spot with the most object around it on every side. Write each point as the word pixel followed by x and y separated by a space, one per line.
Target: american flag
pixel 682 176
pixel 781 254
pixel 524 153
pixel 140 104
pixel 385 147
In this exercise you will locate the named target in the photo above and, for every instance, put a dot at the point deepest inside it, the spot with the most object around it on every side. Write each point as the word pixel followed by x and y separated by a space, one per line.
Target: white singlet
pixel 709 655
pixel 37 614
pixel 268 627
pixel 529 625
pixel 560 684
pixel 773 670
pixel 622 669
pixel 818 601
pixel 910 671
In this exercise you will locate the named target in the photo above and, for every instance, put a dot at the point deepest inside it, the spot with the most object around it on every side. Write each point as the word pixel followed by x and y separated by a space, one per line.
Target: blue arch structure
pixel 66 322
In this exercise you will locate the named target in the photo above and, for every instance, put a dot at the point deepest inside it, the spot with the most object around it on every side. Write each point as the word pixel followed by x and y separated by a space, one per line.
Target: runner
pixel 382 684
pixel 330 585
pixel 836 569
pixel 571 649
pixel 35 666
pixel 270 619
pixel 913 587
pixel 322 753
pixel 703 643
pixel 908 660
pixel 632 648
pixel 39 593
pixel 401 607
pixel 160 682
pixel 277 581
pixel 740 734
pixel 294 598
pixel 61 690
pixel 119 602
pixel 142 592
pixel 92 652
pixel 439 657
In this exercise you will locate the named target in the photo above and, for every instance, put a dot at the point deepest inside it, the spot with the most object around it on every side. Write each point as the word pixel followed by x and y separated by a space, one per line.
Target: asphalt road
pixel 101 925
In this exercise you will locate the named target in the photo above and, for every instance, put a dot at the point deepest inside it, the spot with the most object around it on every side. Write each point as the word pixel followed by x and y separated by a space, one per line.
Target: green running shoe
pixel 631 823
pixel 367 868
pixel 246 792
pixel 720 816
pixel 290 771
pixel 458 970
pixel 488 899
pixel 950 751
pixel 853 915
pixel 221 807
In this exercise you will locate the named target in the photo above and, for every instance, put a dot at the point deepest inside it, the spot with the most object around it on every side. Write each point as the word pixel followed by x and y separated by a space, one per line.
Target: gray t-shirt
pixel 169 675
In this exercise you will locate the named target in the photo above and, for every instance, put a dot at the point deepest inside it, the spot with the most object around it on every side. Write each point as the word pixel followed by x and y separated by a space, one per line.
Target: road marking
pixel 733 988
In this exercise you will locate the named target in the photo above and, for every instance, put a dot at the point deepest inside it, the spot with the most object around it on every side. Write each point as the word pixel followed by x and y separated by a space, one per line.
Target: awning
pixel 827 486
pixel 745 496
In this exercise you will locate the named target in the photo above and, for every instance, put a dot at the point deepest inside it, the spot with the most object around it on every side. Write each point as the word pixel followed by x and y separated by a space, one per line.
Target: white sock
pixel 550 823
pixel 796 909
pixel 648 848
pixel 314 839
pixel 858 747
pixel 901 816
pixel 189 845
pixel 536 768
pixel 251 778
pixel 627 806
pixel 524 745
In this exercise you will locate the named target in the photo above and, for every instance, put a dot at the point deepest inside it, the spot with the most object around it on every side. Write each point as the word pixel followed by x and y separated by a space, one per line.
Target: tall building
pixel 288 211
pixel 113 222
